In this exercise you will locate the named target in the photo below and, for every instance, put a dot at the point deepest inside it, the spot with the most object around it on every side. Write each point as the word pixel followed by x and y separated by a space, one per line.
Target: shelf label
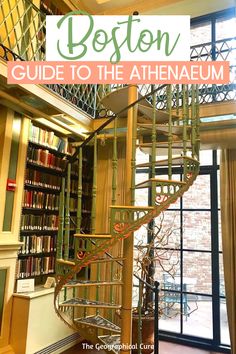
pixel 25 285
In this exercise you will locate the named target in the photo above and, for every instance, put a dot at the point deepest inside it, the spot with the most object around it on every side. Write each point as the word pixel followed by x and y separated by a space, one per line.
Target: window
pixel 193 298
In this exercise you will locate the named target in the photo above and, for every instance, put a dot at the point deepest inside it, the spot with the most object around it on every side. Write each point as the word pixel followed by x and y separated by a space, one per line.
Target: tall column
pixel 126 310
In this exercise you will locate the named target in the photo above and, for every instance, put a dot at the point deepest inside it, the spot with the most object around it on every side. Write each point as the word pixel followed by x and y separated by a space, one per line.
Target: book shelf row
pixel 49 139
pixel 46 159
pixel 46 165
pixel 35 199
pixel 42 179
pixel 39 222
pixel 34 266
pixel 37 244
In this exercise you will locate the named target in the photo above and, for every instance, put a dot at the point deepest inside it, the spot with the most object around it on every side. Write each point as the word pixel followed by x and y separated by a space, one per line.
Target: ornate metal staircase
pixel 87 304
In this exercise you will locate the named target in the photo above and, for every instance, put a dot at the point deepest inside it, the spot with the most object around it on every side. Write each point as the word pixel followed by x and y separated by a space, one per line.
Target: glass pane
pixel 170 310
pixel 141 195
pixel 141 235
pixel 135 292
pixel 141 177
pixel 169 224
pixel 220 231
pixel 197 230
pixel 218 187
pixel 224 326
pixel 218 157
pixel 225 28
pixel 141 157
pixel 197 272
pixel 167 268
pixel 222 278
pixel 199 320
pixel 201 33
pixel 206 157
pixel 198 195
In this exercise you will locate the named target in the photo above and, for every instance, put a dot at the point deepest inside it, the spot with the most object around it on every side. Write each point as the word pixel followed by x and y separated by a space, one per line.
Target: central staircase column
pixel 126 309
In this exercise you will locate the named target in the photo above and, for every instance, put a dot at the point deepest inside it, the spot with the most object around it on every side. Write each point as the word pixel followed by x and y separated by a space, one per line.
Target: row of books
pixel 35 199
pixel 39 222
pixel 86 205
pixel 32 266
pixel 74 186
pixel 37 244
pixel 87 188
pixel 85 223
pixel 73 204
pixel 75 168
pixel 41 179
pixel 45 158
pixel 49 139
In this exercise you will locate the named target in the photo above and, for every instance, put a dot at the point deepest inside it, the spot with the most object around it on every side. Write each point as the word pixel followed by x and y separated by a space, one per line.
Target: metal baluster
pixel 114 164
pixel 170 137
pixel 177 101
pixel 114 186
pixel 140 288
pixel 94 194
pixel 193 122
pixel 156 318
pixel 197 121
pixel 61 220
pixel 67 215
pixel 184 122
pixel 79 205
pixel 133 159
pixel 154 140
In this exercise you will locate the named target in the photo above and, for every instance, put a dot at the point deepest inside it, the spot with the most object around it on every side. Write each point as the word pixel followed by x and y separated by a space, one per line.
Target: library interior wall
pixel 9 243
pixel 9 246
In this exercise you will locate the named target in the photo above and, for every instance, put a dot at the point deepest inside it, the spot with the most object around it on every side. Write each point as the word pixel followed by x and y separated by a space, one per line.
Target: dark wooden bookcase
pixel 45 166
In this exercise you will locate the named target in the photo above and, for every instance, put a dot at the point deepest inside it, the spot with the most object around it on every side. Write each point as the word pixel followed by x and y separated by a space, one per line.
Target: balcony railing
pixel 23 36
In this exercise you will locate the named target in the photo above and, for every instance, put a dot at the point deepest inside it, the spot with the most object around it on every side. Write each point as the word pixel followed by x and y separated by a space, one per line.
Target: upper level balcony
pixel 23 36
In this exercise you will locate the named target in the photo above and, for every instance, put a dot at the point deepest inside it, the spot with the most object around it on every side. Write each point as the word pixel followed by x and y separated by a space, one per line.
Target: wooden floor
pixel 165 348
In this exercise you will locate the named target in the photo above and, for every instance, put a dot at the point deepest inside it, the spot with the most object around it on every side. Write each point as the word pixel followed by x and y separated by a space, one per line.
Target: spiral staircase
pixel 171 138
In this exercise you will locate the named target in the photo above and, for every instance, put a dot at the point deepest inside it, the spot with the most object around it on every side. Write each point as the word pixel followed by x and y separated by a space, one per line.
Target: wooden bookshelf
pixel 45 167
pixel 46 162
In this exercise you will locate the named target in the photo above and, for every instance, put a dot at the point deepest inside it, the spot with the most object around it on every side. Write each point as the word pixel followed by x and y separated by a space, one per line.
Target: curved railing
pixel 23 37
pixel 93 317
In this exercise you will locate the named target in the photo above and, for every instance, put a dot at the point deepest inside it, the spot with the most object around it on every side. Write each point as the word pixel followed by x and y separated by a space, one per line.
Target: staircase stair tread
pixel 74 283
pixel 112 341
pixel 161 144
pixel 87 303
pixel 175 129
pixel 160 116
pixel 118 100
pixel 161 150
pixel 66 262
pixel 132 207
pixel 176 161
pixel 92 235
pixel 149 182
pixel 104 260
pixel 98 322
pixel 99 260
pixel 146 138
